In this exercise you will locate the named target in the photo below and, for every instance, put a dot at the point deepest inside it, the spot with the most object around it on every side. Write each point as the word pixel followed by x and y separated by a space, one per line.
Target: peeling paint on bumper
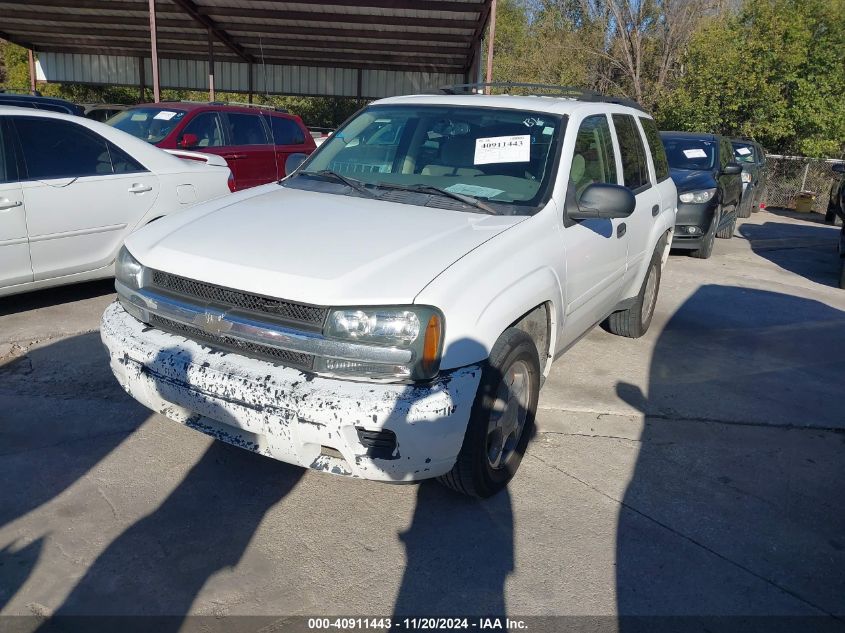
pixel 289 415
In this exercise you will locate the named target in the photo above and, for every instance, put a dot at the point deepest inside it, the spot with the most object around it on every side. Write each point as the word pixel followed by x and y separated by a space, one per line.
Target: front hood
pixel 317 248
pixel 692 180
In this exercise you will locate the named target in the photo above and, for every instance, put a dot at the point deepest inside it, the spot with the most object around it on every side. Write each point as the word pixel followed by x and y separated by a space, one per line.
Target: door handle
pixel 139 188
pixel 6 204
pixel 233 156
pixel 620 230
pixel 655 210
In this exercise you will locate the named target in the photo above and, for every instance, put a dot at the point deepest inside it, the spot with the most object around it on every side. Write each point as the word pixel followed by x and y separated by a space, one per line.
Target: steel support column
pixel 154 52
pixel 210 65
pixel 142 79
pixel 491 38
pixel 31 71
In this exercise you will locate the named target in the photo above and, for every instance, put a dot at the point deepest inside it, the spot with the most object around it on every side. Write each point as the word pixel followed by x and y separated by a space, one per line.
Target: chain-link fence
pixel 789 175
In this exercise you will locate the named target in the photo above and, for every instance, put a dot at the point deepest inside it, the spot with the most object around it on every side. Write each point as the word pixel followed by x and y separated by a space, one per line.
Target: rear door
pixel 82 193
pixel 15 267
pixel 288 138
pixel 250 152
pixel 731 183
pixel 638 178
pixel 665 187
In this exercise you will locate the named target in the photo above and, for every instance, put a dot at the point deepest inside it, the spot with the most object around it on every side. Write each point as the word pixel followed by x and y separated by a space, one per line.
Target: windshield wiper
pixel 469 200
pixel 349 182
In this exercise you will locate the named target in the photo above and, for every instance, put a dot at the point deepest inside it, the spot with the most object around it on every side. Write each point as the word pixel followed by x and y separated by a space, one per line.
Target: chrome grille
pixel 311 317
pixel 297 360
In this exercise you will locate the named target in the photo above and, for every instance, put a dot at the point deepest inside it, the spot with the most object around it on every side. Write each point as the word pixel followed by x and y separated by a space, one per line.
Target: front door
pixel 596 249
pixel 83 195
pixel 250 153
pixel 15 267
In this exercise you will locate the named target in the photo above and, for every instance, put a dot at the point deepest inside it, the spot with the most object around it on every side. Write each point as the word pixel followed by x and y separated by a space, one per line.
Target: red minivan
pixel 254 140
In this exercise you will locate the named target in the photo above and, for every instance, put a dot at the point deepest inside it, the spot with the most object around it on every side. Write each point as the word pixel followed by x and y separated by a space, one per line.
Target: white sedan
pixel 71 190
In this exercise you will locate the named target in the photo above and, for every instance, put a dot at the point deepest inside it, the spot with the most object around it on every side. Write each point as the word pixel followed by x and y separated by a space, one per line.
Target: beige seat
pixel 455 156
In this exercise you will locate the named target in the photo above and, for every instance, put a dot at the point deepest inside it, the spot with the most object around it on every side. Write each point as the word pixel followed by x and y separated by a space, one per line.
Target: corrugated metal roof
pixel 416 36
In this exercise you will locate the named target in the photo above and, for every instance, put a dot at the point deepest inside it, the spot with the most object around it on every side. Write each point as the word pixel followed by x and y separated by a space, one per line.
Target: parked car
pixel 752 157
pixel 390 309
pixel 37 102
pixel 102 111
pixel 72 189
pixel 836 210
pixel 709 189
pixel 255 141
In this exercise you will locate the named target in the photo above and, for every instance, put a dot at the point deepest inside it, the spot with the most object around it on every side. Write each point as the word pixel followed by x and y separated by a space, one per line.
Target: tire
pixel 706 249
pixel 634 321
pixel 744 210
pixel 480 470
pixel 727 232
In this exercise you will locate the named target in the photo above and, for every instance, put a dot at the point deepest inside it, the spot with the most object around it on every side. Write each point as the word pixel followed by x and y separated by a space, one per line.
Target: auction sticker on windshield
pixel 474 190
pixel 695 153
pixel 503 149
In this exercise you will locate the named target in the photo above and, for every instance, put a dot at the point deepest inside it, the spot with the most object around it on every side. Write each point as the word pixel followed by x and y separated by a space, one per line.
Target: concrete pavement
pixel 698 471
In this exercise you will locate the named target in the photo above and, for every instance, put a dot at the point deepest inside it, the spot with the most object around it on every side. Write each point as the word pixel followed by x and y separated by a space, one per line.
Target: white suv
pixel 390 310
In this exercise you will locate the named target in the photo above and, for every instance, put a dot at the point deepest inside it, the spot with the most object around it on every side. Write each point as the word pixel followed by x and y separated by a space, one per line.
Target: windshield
pixel 148 124
pixel 690 153
pixel 743 152
pixel 505 158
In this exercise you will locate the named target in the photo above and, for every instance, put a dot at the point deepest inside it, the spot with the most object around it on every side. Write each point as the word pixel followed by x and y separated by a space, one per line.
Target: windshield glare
pixel 495 155
pixel 690 153
pixel 148 124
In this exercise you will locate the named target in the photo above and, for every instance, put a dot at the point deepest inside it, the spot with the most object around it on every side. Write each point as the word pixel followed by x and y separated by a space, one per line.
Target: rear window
pixel 658 153
pixel 246 129
pixel 689 153
pixel 148 124
pixel 744 153
pixel 634 162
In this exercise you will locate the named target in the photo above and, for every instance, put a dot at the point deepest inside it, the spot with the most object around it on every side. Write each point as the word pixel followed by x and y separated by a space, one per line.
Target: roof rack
pixel 11 91
pixel 240 104
pixel 541 90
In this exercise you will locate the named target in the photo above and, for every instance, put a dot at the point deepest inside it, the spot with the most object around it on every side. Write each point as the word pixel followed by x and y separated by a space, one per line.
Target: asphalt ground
pixel 697 471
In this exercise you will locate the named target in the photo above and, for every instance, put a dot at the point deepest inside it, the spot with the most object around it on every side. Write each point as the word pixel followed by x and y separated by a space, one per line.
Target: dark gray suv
pixel 751 155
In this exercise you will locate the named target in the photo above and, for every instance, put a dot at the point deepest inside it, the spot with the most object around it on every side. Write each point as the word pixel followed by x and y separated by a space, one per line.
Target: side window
pixel 655 146
pixel 207 128
pixel 634 163
pixel 593 159
pixel 726 153
pixel 8 170
pixel 123 163
pixel 59 149
pixel 286 131
pixel 246 129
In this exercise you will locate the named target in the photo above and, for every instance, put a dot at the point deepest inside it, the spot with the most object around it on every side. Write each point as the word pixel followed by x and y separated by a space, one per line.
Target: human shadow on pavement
pixel 158 566
pixel 61 413
pixel 735 505
pixel 808 249
pixel 55 296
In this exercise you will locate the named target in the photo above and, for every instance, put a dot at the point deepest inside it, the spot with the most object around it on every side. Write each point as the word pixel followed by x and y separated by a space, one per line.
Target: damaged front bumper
pixel 386 432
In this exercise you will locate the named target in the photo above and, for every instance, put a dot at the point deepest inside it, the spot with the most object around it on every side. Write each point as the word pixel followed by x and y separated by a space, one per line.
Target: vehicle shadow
pixel 55 296
pixel 158 566
pixel 735 504
pixel 809 250
pixel 61 413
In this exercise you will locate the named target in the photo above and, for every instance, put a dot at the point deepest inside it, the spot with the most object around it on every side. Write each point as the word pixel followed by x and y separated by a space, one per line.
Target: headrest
pixel 579 165
pixel 458 151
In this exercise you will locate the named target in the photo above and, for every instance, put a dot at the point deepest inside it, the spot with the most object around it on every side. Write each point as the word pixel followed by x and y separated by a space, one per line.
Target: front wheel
pixel 727 232
pixel 502 418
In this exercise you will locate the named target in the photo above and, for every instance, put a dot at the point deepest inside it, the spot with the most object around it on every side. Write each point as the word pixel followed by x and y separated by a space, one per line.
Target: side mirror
pixel 731 169
pixel 601 200
pixel 293 162
pixel 839 168
pixel 188 140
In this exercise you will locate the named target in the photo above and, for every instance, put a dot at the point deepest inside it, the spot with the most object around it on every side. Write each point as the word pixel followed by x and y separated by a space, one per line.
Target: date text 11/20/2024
pixel 416 624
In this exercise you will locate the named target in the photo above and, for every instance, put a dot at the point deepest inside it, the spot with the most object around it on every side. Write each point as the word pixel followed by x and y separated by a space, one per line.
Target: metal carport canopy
pixel 361 48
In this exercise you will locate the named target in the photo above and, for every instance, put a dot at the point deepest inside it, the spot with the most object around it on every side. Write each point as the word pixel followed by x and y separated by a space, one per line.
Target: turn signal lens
pixel 431 345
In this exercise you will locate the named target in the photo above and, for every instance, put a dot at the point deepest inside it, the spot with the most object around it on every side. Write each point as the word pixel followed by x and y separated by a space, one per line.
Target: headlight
pixel 127 270
pixel 697 197
pixel 418 329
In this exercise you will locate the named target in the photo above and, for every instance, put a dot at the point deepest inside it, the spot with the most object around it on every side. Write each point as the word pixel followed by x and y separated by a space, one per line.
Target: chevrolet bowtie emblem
pixel 212 324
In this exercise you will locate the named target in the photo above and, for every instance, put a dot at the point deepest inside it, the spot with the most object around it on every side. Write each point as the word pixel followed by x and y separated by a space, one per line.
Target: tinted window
pixel 286 131
pixel 690 153
pixel 208 129
pixel 8 170
pixel 634 163
pixel 59 149
pixel 744 153
pixel 246 129
pixel 123 163
pixel 593 159
pixel 658 153
pixel 148 124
